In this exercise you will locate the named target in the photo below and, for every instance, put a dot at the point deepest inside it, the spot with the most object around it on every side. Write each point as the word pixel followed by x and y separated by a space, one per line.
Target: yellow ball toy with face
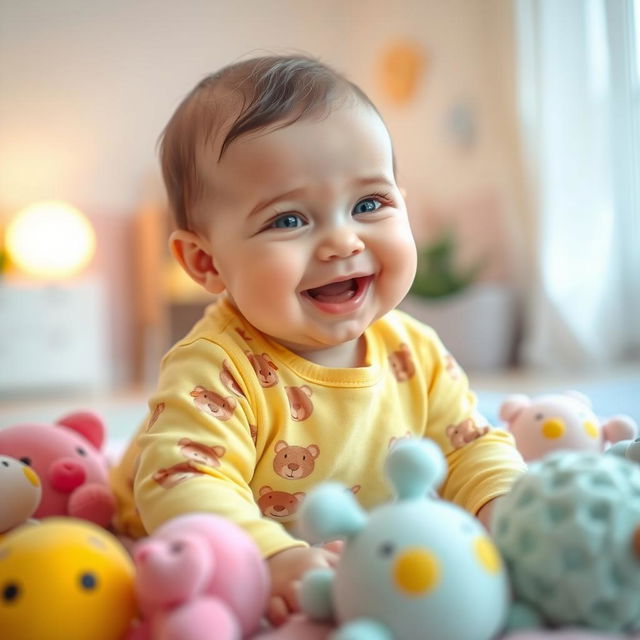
pixel 65 579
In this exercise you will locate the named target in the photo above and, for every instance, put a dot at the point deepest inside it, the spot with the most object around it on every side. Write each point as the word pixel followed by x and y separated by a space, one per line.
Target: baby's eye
pixel 367 205
pixel 288 221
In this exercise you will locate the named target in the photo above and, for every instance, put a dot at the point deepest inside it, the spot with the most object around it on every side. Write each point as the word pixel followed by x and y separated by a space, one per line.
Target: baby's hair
pixel 270 90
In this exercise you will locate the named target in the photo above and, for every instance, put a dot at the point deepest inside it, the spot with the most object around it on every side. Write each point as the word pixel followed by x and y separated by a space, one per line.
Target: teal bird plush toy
pixel 417 568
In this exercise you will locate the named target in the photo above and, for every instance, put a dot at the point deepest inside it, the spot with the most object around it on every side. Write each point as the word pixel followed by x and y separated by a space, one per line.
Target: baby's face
pixel 309 230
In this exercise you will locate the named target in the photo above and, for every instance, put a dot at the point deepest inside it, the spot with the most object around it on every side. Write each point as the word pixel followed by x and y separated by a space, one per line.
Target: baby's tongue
pixel 334 292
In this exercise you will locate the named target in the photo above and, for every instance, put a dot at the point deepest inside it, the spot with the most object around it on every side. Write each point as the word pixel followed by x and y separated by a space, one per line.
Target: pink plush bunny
pixel 561 421
pixel 198 577
pixel 67 457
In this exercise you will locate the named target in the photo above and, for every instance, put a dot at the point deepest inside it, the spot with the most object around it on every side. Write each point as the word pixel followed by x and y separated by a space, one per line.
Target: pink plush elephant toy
pixel 198 577
pixel 561 421
pixel 67 457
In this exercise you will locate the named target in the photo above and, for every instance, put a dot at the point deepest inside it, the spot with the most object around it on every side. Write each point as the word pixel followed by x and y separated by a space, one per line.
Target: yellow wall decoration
pixel 402 66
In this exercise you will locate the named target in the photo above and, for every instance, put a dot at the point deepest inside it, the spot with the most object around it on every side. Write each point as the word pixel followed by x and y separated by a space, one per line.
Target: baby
pixel 282 180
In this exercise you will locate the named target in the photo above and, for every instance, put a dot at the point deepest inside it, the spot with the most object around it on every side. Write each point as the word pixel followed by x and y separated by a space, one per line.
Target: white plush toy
pixel 21 493
pixel 561 421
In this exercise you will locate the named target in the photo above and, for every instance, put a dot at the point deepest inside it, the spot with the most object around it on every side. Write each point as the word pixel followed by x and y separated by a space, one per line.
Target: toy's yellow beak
pixel 487 554
pixel 416 571
pixel 553 428
pixel 31 476
pixel 592 429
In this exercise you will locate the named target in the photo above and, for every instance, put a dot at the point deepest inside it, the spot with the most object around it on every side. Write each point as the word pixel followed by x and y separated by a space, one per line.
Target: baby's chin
pixel 339 353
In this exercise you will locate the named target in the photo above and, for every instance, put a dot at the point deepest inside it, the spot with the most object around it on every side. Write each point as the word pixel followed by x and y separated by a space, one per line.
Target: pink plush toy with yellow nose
pixel 551 422
pixel 67 456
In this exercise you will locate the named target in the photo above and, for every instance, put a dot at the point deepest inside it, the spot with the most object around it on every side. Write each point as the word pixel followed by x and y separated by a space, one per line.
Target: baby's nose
pixel 340 243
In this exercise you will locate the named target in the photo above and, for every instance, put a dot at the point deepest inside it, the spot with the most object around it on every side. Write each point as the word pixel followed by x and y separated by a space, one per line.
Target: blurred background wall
pixel 86 88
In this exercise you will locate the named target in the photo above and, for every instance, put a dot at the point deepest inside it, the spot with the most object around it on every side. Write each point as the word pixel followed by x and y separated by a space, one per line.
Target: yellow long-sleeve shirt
pixel 243 427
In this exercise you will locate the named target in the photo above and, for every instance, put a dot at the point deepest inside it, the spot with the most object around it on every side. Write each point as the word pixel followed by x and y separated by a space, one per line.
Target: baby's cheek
pixel 399 265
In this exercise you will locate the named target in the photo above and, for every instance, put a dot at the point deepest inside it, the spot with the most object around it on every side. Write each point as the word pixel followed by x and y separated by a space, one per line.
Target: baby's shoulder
pixel 217 335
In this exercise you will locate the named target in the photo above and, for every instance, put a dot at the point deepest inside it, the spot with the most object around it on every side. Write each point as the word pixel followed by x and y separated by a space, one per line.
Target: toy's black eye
pixel 88 581
pixel 26 460
pixel 539 416
pixel 386 549
pixel 5 463
pixel 11 592
pixel 81 451
pixel 176 547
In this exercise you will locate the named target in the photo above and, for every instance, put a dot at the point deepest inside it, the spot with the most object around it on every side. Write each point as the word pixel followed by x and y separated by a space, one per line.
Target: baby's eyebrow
pixel 266 202
pixel 377 179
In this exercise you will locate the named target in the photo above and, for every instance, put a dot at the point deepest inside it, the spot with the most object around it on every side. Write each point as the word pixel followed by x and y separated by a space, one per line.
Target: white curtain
pixel 580 115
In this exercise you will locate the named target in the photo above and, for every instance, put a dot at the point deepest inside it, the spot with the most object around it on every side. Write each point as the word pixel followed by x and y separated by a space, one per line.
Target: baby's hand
pixel 287 568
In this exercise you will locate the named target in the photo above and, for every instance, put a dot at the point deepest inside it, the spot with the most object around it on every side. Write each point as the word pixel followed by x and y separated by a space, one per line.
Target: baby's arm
pixel 483 462
pixel 486 511
pixel 199 452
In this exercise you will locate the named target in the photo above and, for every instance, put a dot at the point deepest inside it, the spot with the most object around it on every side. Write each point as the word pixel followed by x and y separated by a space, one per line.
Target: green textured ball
pixel 569 532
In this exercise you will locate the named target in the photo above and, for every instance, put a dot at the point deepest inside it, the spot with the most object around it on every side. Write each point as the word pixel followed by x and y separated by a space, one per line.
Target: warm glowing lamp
pixel 50 240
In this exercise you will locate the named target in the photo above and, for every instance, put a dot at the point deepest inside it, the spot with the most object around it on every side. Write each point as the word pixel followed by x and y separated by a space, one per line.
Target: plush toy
pixel 417 569
pixel 199 576
pixel 68 458
pixel 629 449
pixel 65 578
pixel 21 492
pixel 569 531
pixel 561 421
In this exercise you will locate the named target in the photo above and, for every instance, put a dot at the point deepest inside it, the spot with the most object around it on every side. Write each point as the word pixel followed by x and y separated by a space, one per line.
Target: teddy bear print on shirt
pixel 174 475
pixel 155 415
pixel 215 404
pixel 401 362
pixel 201 453
pixel 300 404
pixel 264 367
pixel 393 440
pixel 198 455
pixel 294 462
pixel 279 505
pixel 227 379
pixel 465 432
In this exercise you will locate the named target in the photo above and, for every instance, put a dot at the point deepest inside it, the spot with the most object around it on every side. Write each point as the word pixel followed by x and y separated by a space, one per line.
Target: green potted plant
pixel 474 318
pixel 438 274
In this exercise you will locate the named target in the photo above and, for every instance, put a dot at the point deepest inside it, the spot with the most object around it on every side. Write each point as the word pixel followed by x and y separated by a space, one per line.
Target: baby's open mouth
pixel 335 292
pixel 340 297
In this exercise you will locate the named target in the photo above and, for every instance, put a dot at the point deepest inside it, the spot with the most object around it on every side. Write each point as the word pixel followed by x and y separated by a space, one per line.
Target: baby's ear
pixel 194 256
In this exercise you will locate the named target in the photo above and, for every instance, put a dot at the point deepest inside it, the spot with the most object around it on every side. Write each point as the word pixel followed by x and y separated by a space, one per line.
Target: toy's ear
pixel 620 428
pixel 415 467
pixel 578 395
pixel 88 424
pixel 513 405
pixel 329 512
